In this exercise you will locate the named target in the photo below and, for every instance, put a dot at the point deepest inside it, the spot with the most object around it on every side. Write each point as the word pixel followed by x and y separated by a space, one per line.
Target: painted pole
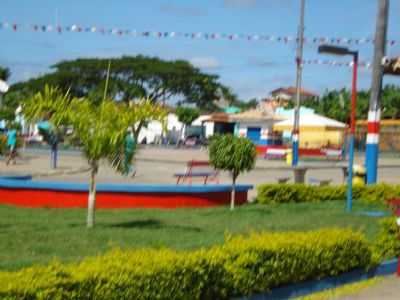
pixel 374 114
pixel 299 64
pixel 349 202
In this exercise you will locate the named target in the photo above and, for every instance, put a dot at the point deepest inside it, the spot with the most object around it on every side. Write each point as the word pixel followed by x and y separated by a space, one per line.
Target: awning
pixel 309 120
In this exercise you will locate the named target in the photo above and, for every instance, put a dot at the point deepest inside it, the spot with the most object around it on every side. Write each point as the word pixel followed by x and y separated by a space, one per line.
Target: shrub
pixel 289 193
pixel 233 154
pixel 263 261
pixel 387 244
pixel 243 265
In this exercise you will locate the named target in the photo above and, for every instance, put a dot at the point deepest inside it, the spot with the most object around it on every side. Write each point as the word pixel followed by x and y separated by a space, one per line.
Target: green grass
pixel 37 236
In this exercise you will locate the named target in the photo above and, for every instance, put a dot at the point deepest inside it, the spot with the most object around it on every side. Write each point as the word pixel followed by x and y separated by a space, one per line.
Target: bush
pixel 233 154
pixel 242 266
pixel 387 244
pixel 293 193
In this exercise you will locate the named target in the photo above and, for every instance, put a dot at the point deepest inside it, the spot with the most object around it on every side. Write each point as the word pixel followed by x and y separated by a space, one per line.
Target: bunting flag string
pixel 366 64
pixel 194 35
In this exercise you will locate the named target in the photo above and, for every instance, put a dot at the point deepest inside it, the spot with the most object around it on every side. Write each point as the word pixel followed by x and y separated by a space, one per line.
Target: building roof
pixel 255 115
pixel 292 91
pixel 218 117
pixel 310 120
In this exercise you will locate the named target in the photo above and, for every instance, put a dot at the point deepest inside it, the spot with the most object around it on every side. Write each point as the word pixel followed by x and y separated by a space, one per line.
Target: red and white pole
pixel 372 147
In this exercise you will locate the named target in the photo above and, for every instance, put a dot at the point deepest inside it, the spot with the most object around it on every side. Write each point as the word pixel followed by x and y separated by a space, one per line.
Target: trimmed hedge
pixel 387 244
pixel 243 265
pixel 289 193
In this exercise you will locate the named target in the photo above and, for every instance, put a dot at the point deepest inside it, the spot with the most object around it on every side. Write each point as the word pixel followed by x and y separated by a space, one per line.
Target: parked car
pixel 194 140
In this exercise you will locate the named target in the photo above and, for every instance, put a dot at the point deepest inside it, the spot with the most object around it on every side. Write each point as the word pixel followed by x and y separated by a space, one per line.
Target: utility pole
pixel 374 113
pixel 299 64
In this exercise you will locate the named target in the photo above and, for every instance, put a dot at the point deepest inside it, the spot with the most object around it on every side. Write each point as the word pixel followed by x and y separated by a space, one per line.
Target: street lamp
pixel 329 49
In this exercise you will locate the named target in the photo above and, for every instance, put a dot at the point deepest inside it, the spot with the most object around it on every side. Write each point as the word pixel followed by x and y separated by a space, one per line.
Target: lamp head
pixel 335 50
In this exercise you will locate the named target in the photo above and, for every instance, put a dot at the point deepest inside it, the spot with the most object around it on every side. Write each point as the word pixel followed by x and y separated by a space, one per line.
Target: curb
pixel 309 287
pixel 61 172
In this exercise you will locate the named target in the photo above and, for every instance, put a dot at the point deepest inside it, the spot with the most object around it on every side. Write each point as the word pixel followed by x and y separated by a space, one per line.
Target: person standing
pixel 129 151
pixel 11 145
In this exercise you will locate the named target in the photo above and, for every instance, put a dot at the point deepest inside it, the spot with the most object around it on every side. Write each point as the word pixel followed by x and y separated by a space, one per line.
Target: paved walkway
pixel 158 165
pixel 389 289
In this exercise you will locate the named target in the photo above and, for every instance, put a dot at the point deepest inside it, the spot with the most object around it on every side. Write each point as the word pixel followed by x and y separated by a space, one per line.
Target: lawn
pixel 37 236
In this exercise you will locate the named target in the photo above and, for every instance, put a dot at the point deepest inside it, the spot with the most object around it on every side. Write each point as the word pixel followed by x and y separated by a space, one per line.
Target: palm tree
pixel 101 129
pixel 42 106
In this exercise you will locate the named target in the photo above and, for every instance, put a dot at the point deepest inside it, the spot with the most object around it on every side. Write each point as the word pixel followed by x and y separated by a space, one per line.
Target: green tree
pixel 233 154
pixel 133 77
pixel 6 113
pixel 246 105
pixel 391 102
pixel 101 129
pixel 335 104
pixel 4 74
pixel 186 115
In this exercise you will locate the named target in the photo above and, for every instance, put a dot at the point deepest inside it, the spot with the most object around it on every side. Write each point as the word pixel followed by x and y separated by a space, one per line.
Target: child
pixel 12 145
pixel 130 146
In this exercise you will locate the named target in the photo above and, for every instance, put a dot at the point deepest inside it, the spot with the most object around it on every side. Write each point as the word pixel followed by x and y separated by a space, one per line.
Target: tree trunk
pixel 92 195
pixel 233 192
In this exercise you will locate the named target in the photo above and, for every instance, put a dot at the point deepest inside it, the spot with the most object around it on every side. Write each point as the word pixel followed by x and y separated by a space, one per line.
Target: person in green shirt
pixel 12 146
pixel 129 151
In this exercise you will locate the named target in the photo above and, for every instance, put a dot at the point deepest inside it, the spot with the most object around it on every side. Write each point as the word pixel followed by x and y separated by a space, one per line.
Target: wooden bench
pixel 200 169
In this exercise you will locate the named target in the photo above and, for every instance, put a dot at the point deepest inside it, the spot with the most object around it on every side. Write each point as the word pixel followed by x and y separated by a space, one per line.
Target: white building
pixel 153 132
pixel 256 125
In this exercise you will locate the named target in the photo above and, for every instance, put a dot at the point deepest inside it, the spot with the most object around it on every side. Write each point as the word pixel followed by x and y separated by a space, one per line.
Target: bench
pixel 200 169
pixel 277 153
pixel 333 154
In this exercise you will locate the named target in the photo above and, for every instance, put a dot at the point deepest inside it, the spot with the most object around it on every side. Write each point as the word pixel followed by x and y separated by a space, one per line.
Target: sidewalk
pixel 389 289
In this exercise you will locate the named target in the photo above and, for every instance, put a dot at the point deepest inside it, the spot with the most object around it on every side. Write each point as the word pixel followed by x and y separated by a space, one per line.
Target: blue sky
pixel 250 68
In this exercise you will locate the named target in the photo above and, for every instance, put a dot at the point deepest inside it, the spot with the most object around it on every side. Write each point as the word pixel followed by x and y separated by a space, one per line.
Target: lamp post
pixel 329 49
pixel 299 65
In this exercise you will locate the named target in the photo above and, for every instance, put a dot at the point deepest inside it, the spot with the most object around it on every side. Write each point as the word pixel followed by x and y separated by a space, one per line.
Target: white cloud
pixel 205 62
